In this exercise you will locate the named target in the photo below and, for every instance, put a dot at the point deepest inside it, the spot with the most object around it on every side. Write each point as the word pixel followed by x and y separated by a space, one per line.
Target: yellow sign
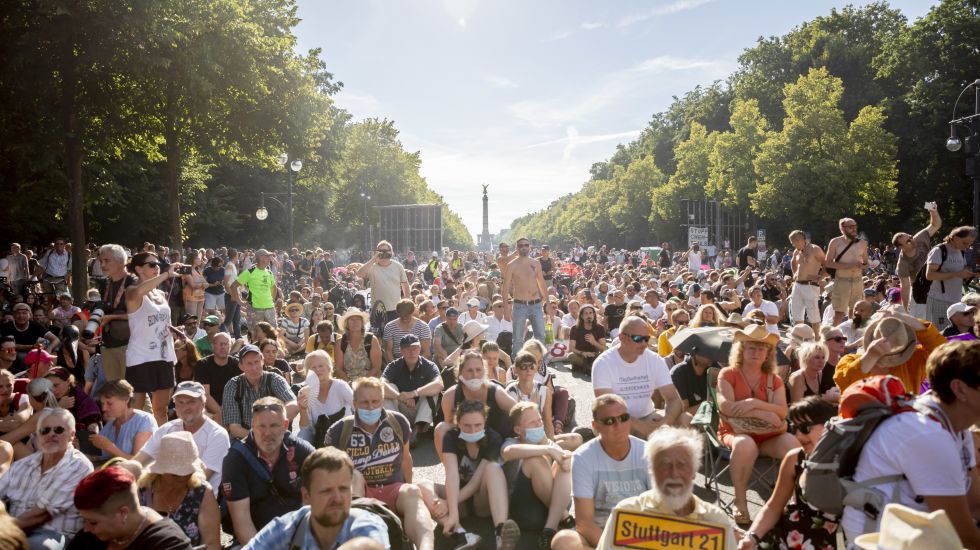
pixel 647 531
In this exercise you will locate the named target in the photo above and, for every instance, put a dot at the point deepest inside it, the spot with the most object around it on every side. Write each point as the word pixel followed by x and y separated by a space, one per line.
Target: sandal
pixel 742 518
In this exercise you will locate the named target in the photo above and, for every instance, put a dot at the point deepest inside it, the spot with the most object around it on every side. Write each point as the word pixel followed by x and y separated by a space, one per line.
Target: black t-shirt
pixel 689 385
pixel 743 254
pixel 240 480
pixel 770 293
pixel 216 376
pixel 489 450
pixel 116 333
pixel 214 275
pixel 614 315
pixel 157 536
pixel 27 337
pixel 547 267
pixel 578 336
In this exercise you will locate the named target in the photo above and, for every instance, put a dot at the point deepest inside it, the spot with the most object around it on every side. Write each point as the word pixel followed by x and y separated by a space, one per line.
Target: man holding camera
pixel 114 320
pixel 388 284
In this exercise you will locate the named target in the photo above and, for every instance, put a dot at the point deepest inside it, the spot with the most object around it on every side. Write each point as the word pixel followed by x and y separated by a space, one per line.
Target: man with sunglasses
pixel 524 283
pixel 913 251
pixel 605 471
pixel 634 372
pixel 387 281
pixel 39 488
pixel 262 479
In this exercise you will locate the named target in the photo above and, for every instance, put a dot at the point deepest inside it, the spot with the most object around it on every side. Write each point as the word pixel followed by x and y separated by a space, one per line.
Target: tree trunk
pixel 172 147
pixel 73 170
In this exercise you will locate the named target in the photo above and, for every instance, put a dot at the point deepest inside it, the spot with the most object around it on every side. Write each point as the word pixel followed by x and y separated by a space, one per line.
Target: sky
pixel 525 95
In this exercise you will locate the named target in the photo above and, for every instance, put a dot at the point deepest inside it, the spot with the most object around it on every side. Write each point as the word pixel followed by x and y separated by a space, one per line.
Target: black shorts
pixel 151 376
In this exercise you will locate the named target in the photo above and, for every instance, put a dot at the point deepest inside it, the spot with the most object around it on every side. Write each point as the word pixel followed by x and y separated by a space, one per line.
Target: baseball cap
pixel 21 305
pixel 958 307
pixel 246 349
pixel 190 389
pixel 410 340
pixel 870 292
pixel 435 254
pixel 212 320
pixel 452 312
pixel 473 302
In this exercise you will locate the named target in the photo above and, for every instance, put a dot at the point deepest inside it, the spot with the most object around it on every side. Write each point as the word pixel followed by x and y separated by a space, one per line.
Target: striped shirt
pixel 235 411
pixel 25 487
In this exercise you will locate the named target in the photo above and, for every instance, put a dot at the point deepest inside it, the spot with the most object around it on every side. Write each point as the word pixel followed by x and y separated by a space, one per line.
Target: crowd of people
pixel 277 397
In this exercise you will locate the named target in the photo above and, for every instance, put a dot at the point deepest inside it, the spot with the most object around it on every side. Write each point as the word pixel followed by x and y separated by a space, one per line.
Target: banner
pixel 699 234
pixel 650 531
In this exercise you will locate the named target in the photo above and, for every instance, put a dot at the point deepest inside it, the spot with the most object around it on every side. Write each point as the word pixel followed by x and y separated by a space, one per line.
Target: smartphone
pixel 184 270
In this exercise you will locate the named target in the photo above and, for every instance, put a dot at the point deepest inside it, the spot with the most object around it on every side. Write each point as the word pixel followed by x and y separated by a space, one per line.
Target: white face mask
pixel 473 384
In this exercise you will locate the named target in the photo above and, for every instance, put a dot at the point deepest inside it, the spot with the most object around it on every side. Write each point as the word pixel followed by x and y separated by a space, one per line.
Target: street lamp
pixel 970 145
pixel 262 213
pixel 367 235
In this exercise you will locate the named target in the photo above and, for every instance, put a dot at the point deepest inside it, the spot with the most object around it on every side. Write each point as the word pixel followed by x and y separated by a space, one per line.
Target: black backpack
pixel 921 285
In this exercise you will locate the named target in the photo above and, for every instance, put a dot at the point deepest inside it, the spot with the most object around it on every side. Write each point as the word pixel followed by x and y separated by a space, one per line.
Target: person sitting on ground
pixel 294 329
pixel 269 451
pixel 187 358
pixel 525 388
pixel 707 315
pixel 605 470
pixel 15 407
pixel 690 377
pixel 447 337
pixel 210 438
pixel 634 372
pixel 108 503
pixel 679 318
pixel 412 384
pixel 471 454
pixel 674 457
pixel 205 344
pixel 73 397
pixel 961 317
pixel 497 362
pixel 327 519
pixel 126 429
pixel 538 470
pixel 815 377
pixel 175 487
pixel 323 339
pixel 323 400
pixel 405 323
pixel 248 387
pixel 214 372
pixel 377 440
pixel 359 353
pixel 586 340
pixel 38 489
pixel 786 519
pixel 473 385
pixel 272 360
pixel 752 403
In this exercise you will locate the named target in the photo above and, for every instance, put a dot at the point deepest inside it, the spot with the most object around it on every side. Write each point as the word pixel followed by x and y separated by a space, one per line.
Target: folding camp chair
pixel 717 456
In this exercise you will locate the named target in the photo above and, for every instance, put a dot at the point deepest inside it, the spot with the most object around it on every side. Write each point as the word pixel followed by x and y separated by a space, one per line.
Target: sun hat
pixel 801 332
pixel 178 455
pixel 903 528
pixel 735 320
pixel 472 329
pixel 294 307
pixel 756 333
pixel 354 312
pixel 901 340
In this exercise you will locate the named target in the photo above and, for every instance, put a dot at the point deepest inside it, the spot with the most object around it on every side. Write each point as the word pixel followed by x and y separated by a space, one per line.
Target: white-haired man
pixel 674 456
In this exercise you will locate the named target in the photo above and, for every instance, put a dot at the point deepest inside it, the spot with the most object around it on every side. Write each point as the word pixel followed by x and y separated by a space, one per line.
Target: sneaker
pixel 464 540
pixel 567 523
pixel 544 541
pixel 508 534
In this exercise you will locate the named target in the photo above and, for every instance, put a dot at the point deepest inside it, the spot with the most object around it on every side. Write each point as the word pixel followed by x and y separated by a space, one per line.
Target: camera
pixel 184 270
pixel 385 255
pixel 92 326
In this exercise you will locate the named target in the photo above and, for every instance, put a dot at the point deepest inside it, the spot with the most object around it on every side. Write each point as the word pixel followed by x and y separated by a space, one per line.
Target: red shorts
pixel 385 493
pixel 729 438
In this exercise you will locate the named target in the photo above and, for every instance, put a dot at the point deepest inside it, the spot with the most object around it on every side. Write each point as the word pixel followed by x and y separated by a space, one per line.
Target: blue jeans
pixel 521 314
pixel 233 317
pixel 45 539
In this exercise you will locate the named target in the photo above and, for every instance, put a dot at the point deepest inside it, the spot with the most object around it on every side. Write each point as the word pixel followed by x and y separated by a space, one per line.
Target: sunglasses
pixel 639 337
pixel 58 430
pixel 526 366
pixel 801 428
pixel 383 250
pixel 613 420
pixel 838 339
pixel 273 407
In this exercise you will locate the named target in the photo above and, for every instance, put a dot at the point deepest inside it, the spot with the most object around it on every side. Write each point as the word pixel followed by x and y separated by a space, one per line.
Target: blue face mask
pixel 369 416
pixel 534 435
pixel 473 437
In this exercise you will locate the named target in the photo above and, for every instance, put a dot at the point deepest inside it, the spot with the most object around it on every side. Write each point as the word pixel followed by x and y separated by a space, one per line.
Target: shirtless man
pixel 849 263
pixel 806 263
pixel 504 258
pixel 524 282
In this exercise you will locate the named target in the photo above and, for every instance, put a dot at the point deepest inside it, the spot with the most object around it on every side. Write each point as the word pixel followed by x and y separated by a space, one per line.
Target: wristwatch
pixel 758 541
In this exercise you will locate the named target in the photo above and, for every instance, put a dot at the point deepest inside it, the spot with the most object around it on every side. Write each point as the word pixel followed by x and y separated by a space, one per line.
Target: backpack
pixel 829 483
pixel 921 285
pixel 396 534
pixel 368 340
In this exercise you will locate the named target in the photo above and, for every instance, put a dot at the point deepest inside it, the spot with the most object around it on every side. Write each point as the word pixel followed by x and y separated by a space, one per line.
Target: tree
pixel 731 172
pixel 688 182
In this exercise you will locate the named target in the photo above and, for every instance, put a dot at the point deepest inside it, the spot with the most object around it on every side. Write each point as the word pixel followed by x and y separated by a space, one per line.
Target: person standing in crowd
pixel 806 264
pixel 524 283
pixel 263 294
pixel 848 256
pixel 913 251
pixel 19 268
pixel 946 268
pixel 388 283
pixel 547 266
pixel 260 473
pixel 327 519
pixel 194 284
pixel 54 268
pixel 115 327
pixel 233 309
pixel 747 254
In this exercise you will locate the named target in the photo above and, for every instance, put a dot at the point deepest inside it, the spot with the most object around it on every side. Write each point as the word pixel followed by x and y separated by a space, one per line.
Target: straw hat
pixel 801 332
pixel 355 312
pixel 177 456
pixel 901 342
pixel 472 329
pixel 735 320
pixel 294 307
pixel 903 528
pixel 756 333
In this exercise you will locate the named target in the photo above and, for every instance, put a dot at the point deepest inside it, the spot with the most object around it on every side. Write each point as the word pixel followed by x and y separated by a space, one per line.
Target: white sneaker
pixel 464 540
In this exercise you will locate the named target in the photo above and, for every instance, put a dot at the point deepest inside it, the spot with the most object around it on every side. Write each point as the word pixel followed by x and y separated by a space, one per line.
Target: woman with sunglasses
pixel 834 339
pixel 471 454
pixel 526 388
pixel 150 355
pixel 474 385
pixel 787 520
pixel 816 377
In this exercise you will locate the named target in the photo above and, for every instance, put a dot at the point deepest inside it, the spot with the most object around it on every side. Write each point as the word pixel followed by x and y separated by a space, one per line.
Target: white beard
pixel 675 498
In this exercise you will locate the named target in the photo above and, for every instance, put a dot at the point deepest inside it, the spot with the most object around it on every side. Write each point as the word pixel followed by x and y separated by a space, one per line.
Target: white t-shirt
pixel 480 317
pixel 212 445
pixel 634 382
pixel 768 308
pixel 653 313
pixel 606 481
pixel 568 320
pixel 386 283
pixel 694 261
pixel 497 326
pixel 340 396
pixel 896 447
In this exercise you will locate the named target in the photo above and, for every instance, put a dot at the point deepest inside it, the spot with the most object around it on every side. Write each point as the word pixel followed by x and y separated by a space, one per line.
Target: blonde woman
pixel 324 400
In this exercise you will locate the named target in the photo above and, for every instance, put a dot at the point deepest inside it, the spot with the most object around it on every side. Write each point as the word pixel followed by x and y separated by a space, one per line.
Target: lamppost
pixel 367 236
pixel 262 213
pixel 970 144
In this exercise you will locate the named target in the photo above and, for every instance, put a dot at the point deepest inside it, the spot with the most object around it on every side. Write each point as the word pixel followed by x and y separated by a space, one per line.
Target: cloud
pixel 585 26
pixel 360 105
pixel 676 6
pixel 500 81
pixel 612 89
pixel 573 139
pixel 591 25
